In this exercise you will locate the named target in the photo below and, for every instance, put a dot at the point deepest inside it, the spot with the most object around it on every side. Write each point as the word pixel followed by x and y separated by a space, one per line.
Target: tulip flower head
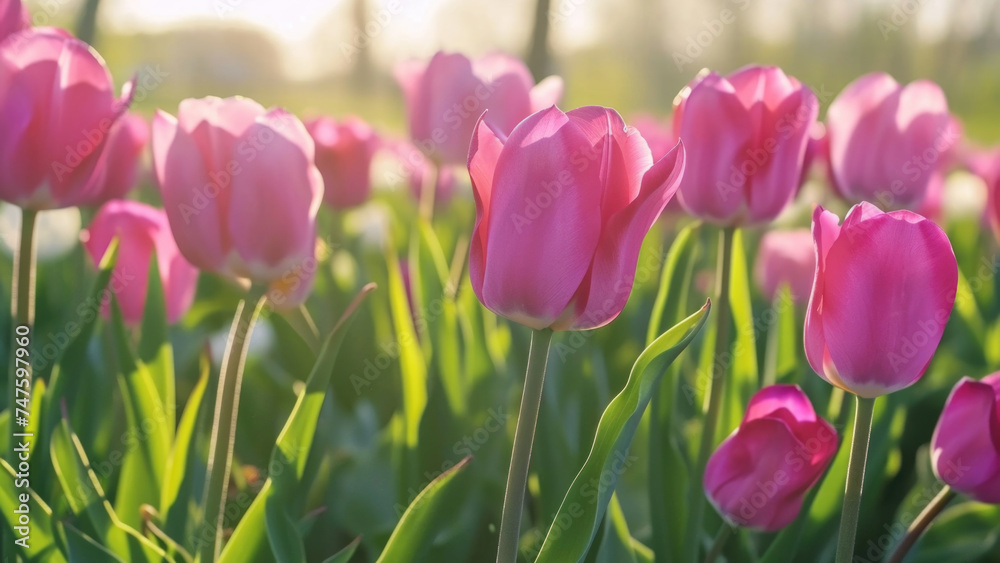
pixel 562 206
pixel 758 477
pixel 883 292
pixel 746 137
pixel 241 192
pixel 965 448
pixel 57 110
pixel 786 257
pixel 14 17
pixel 887 141
pixel 344 153
pixel 141 231
pixel 446 96
pixel 126 145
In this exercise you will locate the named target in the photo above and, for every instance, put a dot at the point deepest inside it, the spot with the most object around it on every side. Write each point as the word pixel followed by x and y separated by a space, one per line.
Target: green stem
pixel 22 303
pixel 227 406
pixel 855 479
pixel 716 386
pixel 917 527
pixel 520 457
pixel 428 191
pixel 720 543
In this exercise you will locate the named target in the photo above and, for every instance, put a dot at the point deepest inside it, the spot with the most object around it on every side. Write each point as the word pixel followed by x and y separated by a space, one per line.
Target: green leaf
pixel 42 542
pixel 965 532
pixel 413 367
pixel 270 518
pixel 83 548
pixel 150 427
pixel 743 379
pixel 781 356
pixel 344 555
pixel 616 547
pixel 416 529
pixel 588 496
pixel 85 495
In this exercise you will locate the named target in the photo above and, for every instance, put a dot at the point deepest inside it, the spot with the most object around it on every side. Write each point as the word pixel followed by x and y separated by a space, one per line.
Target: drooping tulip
pixel 758 477
pixel 57 108
pixel 446 96
pixel 883 292
pixel 344 153
pixel 127 143
pixel 746 135
pixel 13 18
pixel 141 231
pixel 562 206
pixel 965 448
pixel 887 141
pixel 241 191
pixel 786 257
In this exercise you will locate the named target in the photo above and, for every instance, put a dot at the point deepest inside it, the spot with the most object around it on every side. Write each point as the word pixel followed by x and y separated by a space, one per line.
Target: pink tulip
pixel 344 153
pixel 759 475
pixel 887 141
pixel 746 135
pixel 57 108
pixel 241 191
pixel 965 449
pixel 126 145
pixel 562 206
pixel 141 231
pixel 659 135
pixel 13 18
pixel 446 96
pixel 786 258
pixel 421 172
pixel 884 289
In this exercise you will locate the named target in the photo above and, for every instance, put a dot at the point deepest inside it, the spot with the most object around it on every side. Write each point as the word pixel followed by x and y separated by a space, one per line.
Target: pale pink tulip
pixel 786 258
pixel 127 144
pixel 344 153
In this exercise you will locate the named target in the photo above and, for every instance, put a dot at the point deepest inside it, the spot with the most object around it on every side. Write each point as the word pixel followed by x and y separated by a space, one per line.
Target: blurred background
pixel 336 56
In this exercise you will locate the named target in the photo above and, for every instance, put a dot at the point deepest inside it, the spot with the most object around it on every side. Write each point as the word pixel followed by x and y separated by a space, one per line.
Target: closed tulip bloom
pixel 884 288
pixel 344 153
pixel 746 136
pixel 758 477
pixel 562 206
pixel 141 231
pixel 446 96
pixel 965 449
pixel 126 145
pixel 241 191
pixel 13 18
pixel 57 107
pixel 786 258
pixel 887 141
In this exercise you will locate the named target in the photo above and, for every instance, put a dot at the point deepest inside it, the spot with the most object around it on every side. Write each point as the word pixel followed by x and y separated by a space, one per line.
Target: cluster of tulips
pixel 563 203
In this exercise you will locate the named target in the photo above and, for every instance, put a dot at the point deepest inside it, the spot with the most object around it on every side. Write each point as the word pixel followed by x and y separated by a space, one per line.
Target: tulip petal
pixel 546 93
pixel 774 397
pixel 825 229
pixel 483 155
pixel 965 448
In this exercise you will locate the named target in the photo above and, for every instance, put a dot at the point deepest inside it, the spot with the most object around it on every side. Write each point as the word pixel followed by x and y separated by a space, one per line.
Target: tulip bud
pixel 888 141
pixel 344 153
pixel 141 230
pixel 562 206
pixel 746 135
pixel 758 477
pixel 57 109
pixel 965 449
pixel 241 191
pixel 883 292
pixel 786 257
pixel 13 18
pixel 446 96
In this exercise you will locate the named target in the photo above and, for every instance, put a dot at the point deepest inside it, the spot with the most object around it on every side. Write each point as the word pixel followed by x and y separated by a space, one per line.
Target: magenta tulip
pixel 758 476
pixel 446 96
pixel 57 108
pixel 126 145
pixel 344 153
pixel 884 289
pixel 141 231
pixel 746 135
pixel 965 449
pixel 887 141
pixel 786 258
pixel 13 18
pixel 562 206
pixel 241 191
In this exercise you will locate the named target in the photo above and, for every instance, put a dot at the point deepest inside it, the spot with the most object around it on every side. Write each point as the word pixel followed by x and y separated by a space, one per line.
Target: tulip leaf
pixel 742 359
pixel 82 547
pixel 417 528
pixel 344 555
pixel 270 518
pixel 150 428
pixel 781 356
pixel 616 546
pixel 588 497
pixel 965 532
pixel 42 545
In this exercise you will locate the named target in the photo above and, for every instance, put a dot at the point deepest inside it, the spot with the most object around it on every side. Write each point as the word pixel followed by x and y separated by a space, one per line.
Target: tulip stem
pixel 227 406
pixel 855 479
pixel 917 527
pixel 427 193
pixel 716 385
pixel 22 299
pixel 520 457
pixel 725 532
